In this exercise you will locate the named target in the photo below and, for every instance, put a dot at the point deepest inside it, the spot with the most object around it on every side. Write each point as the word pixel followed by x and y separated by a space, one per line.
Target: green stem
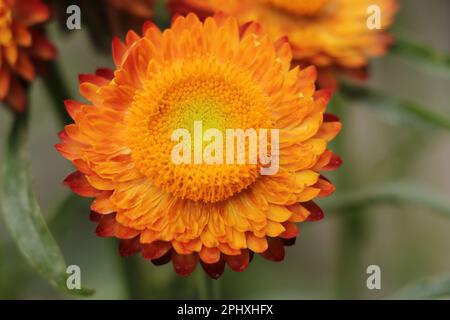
pixel 422 55
pixel 353 224
pixel 216 289
pixel 133 278
pixel 404 192
pixel 58 91
pixel 202 287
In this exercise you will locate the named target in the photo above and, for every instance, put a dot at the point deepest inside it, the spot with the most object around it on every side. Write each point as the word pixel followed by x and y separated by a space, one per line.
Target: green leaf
pixel 404 112
pixel 432 288
pixel 422 55
pixel 395 192
pixel 22 213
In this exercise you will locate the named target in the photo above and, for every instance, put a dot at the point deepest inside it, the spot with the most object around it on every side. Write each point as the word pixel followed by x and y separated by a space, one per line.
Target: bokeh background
pixel 391 207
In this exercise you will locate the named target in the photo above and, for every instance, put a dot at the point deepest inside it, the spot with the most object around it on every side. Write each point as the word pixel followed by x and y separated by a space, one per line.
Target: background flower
pixel 22 47
pixel 330 34
pixel 104 19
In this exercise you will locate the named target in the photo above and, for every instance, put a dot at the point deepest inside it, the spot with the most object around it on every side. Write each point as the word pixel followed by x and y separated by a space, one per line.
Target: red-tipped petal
pixel 73 108
pixel 214 270
pixel 95 217
pixel 329 117
pixel 92 78
pixel 164 259
pixel 315 211
pixel 290 232
pixel 325 186
pixel 289 242
pixel 335 163
pixel 240 262
pixel 129 247
pixel 147 25
pixel 78 183
pixel 155 250
pixel 184 264
pixel 107 227
pixel 275 251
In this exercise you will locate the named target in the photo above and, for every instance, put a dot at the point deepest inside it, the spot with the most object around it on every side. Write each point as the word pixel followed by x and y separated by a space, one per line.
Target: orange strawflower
pixel 22 46
pixel 325 33
pixel 228 77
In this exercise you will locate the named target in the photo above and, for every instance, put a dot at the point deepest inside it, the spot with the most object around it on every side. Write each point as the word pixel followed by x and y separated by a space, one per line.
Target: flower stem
pixel 216 290
pixel 202 285
pixel 58 91
pixel 353 220
pixel 133 278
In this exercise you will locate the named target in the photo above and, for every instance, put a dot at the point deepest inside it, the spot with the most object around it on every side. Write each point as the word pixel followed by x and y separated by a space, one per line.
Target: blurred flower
pixel 104 19
pixel 22 47
pixel 139 8
pixel 228 77
pixel 330 34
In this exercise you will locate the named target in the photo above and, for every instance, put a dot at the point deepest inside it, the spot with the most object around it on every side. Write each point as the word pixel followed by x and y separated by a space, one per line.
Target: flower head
pixel 225 76
pixel 22 46
pixel 322 32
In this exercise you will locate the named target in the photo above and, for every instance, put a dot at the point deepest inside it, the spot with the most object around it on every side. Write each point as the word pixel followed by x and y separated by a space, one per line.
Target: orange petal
pixel 31 12
pixel 11 54
pixel 73 108
pixel 209 255
pixel 256 244
pixel 325 186
pixel 299 213
pixel 118 51
pixel 21 35
pixel 92 78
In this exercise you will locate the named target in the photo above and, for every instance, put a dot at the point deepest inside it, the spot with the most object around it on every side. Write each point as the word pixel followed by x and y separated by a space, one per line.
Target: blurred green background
pixel 382 153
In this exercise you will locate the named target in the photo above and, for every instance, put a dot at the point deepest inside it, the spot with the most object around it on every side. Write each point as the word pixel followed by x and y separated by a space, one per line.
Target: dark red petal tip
pixel 315 211
pixel 129 247
pixel 275 251
pixel 214 270
pixel 184 264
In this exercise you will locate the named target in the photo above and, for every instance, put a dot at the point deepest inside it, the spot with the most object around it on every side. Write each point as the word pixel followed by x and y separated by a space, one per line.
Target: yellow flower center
pixel 180 96
pixel 299 7
pixel 6 35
